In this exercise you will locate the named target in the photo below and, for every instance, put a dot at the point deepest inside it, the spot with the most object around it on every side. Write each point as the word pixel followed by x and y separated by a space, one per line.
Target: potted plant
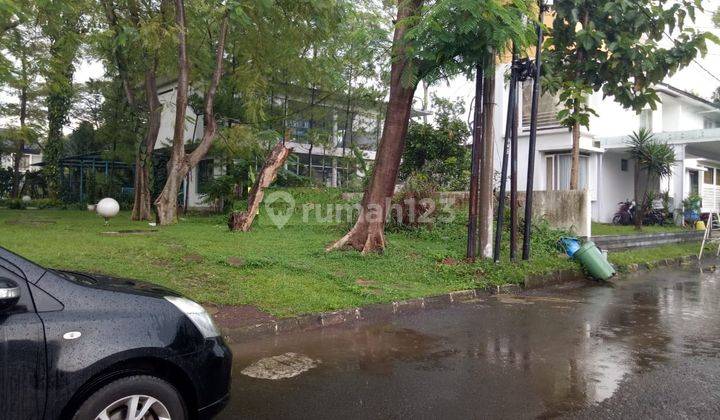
pixel 691 207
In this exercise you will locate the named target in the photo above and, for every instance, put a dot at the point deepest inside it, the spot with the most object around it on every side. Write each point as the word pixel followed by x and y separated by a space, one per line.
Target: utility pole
pixel 475 164
pixel 485 212
pixel 511 109
pixel 533 138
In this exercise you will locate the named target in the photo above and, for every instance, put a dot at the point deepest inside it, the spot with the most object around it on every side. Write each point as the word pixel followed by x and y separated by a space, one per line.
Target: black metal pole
pixel 512 101
pixel 533 138
pixel 513 181
pixel 475 165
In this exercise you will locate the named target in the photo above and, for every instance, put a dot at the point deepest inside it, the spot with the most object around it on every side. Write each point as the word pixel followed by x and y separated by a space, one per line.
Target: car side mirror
pixel 9 293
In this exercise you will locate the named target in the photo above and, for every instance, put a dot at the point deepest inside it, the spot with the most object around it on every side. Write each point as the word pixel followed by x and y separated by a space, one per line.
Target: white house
pixel 690 124
pixel 332 165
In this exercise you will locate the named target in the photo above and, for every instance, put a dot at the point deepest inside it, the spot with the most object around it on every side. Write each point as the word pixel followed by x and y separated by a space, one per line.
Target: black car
pixel 75 346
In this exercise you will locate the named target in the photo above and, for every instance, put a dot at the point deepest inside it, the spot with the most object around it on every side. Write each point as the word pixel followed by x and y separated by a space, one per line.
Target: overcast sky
pixel 693 78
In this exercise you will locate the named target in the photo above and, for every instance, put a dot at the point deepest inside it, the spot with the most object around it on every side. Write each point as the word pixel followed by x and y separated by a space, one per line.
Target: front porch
pixel 696 171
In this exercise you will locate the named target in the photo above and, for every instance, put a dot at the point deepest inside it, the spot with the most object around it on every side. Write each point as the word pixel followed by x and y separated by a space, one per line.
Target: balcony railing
pixel 670 137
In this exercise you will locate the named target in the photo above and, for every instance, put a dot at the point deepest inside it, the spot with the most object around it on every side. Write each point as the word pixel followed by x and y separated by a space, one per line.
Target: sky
pixel 693 78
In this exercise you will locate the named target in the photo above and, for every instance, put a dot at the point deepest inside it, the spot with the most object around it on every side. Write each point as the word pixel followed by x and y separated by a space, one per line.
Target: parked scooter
pixel 626 215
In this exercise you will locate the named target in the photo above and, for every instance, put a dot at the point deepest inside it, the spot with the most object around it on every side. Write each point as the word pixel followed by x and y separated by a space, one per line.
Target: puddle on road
pixel 284 366
pixel 556 353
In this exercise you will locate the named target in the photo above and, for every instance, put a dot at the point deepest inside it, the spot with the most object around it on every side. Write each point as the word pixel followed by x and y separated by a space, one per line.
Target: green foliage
pixel 452 36
pixel 61 23
pixel 616 46
pixel 6 177
pixel 692 203
pixel 439 150
pixel 415 204
pixel 652 156
pixel 654 161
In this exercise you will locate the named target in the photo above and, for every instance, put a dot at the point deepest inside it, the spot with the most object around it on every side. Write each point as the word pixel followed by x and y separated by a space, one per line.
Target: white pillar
pixel 677 179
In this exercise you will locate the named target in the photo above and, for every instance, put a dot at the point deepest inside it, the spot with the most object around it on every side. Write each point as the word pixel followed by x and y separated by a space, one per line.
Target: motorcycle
pixel 626 215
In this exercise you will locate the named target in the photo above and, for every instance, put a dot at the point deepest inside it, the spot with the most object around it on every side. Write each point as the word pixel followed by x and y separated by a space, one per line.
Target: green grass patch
pixel 601 229
pixel 652 255
pixel 285 272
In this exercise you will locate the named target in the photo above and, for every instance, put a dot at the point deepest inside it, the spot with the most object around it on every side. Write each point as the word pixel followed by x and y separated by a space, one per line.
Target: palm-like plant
pixel 654 160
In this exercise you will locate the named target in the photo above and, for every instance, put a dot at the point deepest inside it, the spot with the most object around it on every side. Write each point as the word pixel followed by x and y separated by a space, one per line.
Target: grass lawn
pixel 599 229
pixel 285 272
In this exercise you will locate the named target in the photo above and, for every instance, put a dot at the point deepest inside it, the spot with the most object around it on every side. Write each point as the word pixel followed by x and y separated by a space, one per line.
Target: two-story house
pixel 332 163
pixel 690 124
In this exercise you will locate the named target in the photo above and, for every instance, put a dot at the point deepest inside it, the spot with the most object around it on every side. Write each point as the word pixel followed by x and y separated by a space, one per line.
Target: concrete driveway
pixel 643 346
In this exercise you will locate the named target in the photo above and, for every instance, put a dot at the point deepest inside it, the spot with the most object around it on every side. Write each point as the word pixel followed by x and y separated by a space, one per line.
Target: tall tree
pixel 24 48
pixel 180 161
pixel 62 24
pixel 139 33
pixel 368 234
pixel 615 46
pixel 433 39
pixel 263 39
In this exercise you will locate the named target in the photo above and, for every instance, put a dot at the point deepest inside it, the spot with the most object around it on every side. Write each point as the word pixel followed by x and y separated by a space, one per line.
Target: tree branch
pixel 182 83
pixel 209 116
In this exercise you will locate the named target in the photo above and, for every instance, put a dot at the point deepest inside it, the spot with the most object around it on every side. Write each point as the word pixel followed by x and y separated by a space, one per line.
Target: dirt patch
pixel 130 232
pixel 365 282
pixel 31 222
pixel 162 263
pixel 235 262
pixel 449 261
pixel 194 258
pixel 238 316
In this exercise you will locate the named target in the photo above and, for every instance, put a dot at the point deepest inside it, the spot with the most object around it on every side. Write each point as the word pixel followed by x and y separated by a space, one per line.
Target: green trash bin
pixel 592 259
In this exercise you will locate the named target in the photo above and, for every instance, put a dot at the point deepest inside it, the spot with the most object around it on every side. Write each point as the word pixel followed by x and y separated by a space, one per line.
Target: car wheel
pixel 134 398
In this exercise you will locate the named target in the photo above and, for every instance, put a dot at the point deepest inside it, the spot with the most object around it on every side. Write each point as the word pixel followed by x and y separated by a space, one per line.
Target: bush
pixel 46 203
pixel 15 204
pixel 289 179
pixel 416 203
pixel 6 176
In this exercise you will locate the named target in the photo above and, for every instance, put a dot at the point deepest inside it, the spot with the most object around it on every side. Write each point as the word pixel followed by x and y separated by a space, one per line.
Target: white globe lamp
pixel 107 208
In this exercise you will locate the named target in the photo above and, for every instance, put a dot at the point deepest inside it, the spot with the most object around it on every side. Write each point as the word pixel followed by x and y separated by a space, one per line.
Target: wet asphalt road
pixel 644 346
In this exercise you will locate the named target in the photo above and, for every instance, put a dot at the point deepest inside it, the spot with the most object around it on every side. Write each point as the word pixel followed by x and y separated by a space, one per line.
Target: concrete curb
pixel 387 311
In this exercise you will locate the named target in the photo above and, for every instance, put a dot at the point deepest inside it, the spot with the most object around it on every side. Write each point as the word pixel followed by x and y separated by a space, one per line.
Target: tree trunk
pixel 181 163
pixel 142 203
pixel 487 171
pixel 15 193
pixel 475 166
pixel 242 221
pixel 575 169
pixel 368 234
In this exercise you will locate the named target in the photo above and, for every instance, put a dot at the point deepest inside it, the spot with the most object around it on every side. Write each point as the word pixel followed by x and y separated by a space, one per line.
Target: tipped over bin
pixel 592 259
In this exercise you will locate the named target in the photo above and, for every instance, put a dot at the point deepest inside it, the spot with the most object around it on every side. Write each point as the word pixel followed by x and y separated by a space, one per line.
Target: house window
pixel 646 122
pixel 694 183
pixel 624 165
pixel 709 176
pixel 708 123
pixel 204 175
pixel 558 172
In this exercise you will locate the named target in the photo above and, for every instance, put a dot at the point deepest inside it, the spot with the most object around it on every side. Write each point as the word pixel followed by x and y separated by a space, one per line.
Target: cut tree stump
pixel 242 221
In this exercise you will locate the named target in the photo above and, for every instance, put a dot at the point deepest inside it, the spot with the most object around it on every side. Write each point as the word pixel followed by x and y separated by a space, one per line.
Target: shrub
pixel 416 203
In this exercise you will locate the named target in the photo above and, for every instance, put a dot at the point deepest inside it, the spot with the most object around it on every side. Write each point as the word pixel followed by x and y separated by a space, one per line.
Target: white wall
pixel 167 121
pixel 616 185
